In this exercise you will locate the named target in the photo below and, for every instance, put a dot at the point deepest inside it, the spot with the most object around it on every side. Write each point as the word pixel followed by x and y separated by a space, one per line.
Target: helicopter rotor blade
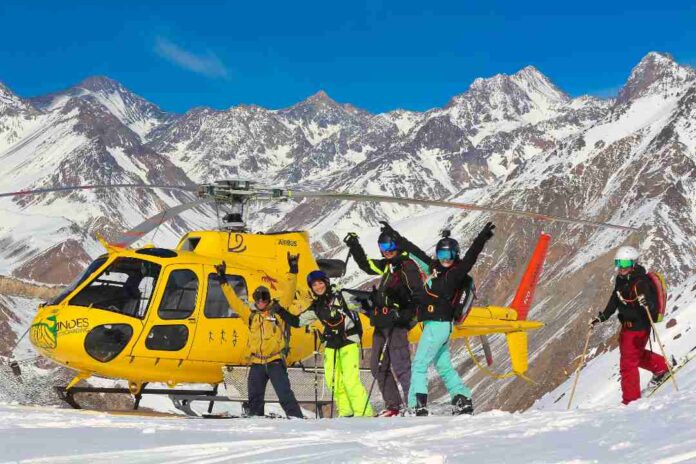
pixel 68 188
pixel 452 204
pixel 136 233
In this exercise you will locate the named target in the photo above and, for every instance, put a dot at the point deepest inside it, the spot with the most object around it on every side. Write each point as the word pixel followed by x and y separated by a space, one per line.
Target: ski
pixel 651 391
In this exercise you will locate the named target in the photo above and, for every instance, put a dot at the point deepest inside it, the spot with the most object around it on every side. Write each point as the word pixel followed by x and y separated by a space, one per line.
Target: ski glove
pixel 293 263
pixel 351 239
pixel 487 231
pixel 221 269
pixel 642 301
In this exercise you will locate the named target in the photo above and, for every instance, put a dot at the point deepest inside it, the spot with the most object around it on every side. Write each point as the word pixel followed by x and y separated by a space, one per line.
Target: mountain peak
pixel 319 98
pixel 98 83
pixel 655 73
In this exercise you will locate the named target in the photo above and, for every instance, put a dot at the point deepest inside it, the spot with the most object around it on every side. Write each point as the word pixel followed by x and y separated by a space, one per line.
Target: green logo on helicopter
pixel 45 334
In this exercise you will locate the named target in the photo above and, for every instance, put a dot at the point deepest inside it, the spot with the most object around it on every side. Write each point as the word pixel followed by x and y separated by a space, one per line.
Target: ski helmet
pixel 387 241
pixel 317 275
pixel 261 294
pixel 626 257
pixel 447 249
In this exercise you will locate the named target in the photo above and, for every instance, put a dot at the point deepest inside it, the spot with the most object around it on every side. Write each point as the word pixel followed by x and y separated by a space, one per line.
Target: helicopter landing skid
pixel 183 397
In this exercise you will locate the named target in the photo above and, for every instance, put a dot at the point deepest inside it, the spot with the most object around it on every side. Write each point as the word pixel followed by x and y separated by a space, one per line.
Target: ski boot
pixel 658 379
pixel 389 412
pixel 462 405
pixel 421 404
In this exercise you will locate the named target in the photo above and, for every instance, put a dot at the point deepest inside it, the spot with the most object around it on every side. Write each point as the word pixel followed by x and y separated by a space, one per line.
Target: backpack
pixel 352 315
pixel 658 282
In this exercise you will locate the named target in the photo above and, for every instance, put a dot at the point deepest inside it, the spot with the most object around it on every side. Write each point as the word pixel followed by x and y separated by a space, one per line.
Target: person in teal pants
pixel 448 278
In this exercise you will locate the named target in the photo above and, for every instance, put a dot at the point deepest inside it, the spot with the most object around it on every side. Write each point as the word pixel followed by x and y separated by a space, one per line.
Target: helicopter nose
pixel 43 332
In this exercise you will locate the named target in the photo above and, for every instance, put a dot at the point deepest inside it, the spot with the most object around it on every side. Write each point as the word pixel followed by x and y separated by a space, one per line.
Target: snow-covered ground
pixel 658 430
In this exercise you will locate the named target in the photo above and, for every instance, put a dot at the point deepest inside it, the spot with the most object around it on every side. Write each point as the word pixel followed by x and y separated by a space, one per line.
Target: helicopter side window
pixel 216 306
pixel 179 299
pixel 124 287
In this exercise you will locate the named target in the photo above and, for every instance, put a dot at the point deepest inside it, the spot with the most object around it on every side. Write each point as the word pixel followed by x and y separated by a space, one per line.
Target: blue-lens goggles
pixel 623 263
pixel 445 255
pixel 387 246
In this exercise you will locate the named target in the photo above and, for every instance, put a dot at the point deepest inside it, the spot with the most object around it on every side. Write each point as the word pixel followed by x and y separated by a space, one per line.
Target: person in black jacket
pixel 444 287
pixel 633 294
pixel 394 300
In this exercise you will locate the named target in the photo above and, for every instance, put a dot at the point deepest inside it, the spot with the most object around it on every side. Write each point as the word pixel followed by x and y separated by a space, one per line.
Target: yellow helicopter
pixel 159 315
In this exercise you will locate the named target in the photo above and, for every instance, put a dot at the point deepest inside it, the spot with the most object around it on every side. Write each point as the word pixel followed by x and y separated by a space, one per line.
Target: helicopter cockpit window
pixel 124 287
pixel 96 264
pixel 179 299
pixel 216 305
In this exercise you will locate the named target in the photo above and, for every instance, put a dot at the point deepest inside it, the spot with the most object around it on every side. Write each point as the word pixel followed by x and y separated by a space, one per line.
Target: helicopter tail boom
pixel 522 302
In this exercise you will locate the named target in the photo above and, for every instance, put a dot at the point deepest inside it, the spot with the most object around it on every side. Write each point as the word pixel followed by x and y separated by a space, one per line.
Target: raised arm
pixel 237 305
pixel 475 250
pixel 288 295
pixel 368 265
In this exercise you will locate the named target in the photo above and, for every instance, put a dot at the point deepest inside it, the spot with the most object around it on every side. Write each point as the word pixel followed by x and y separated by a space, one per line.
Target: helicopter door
pixel 169 331
pixel 221 335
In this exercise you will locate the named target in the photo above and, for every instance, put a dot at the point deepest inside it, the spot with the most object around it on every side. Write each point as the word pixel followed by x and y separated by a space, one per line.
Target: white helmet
pixel 624 255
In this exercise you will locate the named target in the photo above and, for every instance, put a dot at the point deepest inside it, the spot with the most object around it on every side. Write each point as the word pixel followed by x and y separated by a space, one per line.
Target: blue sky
pixel 378 55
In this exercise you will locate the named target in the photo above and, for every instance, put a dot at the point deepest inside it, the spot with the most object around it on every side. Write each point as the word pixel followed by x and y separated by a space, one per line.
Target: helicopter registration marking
pixel 292 243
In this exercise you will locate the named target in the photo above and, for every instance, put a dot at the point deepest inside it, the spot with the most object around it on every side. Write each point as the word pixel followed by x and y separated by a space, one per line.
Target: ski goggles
pixel 446 255
pixel 387 246
pixel 624 263
pixel 261 294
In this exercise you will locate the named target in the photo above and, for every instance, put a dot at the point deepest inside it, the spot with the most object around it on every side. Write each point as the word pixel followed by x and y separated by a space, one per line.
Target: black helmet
pixel 261 294
pixel 447 248
pixel 387 241
pixel 317 275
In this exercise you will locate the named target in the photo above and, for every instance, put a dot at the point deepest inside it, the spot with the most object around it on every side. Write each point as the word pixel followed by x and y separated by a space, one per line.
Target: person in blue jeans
pixel 446 282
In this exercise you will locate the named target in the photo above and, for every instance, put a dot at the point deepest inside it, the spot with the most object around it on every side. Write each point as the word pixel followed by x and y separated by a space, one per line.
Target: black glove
pixel 221 269
pixel 293 263
pixel 487 231
pixel 595 321
pixel 351 239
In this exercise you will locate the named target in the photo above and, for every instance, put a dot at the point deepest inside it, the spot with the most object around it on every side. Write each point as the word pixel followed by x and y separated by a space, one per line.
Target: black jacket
pixel 341 325
pixel 624 298
pixel 396 298
pixel 444 286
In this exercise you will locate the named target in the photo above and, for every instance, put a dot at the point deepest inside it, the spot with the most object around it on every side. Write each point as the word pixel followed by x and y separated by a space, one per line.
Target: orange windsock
pixel 525 292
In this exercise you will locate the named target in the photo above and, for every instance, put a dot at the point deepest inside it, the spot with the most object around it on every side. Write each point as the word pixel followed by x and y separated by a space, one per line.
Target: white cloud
pixel 207 64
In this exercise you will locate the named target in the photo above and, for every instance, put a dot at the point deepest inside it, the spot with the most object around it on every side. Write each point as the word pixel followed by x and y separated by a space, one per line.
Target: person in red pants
pixel 633 293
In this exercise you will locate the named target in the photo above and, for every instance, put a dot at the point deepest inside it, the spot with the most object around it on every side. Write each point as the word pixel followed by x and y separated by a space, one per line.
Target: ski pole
pixel 662 348
pixel 333 382
pixel 316 378
pixel 577 372
pixel 379 366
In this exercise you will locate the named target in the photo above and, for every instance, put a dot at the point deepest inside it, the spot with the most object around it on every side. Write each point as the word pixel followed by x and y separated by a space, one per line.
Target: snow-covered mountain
pixel 513 141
